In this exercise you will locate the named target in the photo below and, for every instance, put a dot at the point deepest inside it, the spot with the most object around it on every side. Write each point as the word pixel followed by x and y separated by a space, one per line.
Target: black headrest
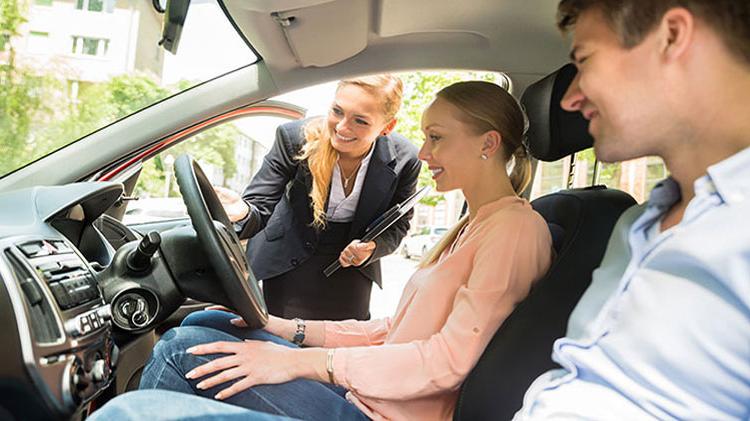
pixel 553 132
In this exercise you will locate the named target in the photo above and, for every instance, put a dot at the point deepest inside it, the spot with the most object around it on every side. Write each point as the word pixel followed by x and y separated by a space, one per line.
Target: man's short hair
pixel 632 20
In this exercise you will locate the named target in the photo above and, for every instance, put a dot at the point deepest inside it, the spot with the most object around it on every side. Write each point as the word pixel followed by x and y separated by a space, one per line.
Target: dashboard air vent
pixel 44 326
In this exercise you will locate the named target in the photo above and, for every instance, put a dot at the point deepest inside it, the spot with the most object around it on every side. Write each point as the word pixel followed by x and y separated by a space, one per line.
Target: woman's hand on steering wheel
pixel 234 206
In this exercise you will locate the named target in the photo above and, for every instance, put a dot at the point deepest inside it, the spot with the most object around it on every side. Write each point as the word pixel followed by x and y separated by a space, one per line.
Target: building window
pixel 38 42
pixel 90 46
pixel 91 5
pixel 553 176
pixel 43 2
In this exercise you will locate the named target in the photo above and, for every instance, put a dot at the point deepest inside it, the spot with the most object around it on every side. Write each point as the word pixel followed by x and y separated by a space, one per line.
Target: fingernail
pixel 235 321
pixel 201 385
pixel 219 396
pixel 190 374
pixel 190 350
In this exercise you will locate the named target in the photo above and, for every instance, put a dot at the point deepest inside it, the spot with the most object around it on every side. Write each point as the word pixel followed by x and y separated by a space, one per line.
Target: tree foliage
pixel 38 116
pixel 20 99
pixel 215 146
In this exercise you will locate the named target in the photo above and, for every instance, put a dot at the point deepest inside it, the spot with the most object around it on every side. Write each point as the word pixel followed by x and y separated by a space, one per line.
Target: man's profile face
pixel 616 89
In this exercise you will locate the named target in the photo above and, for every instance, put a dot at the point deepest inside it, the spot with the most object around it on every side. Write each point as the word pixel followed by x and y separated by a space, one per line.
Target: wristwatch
pixel 299 335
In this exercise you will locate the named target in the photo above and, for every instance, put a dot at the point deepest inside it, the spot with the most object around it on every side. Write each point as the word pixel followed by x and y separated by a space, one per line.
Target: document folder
pixel 384 222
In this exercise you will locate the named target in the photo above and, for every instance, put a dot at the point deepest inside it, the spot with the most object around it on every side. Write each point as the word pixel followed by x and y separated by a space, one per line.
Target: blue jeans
pixel 301 398
pixel 165 405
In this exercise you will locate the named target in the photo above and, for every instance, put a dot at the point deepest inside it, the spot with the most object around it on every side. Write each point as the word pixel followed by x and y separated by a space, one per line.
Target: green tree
pixel 100 104
pixel 419 91
pixel 609 174
pixel 21 98
pixel 215 146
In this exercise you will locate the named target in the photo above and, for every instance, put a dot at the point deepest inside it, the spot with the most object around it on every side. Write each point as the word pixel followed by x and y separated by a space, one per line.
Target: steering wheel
pixel 220 242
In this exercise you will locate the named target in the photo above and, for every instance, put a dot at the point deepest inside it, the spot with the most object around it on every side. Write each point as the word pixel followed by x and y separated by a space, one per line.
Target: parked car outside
pixel 417 244
pixel 154 209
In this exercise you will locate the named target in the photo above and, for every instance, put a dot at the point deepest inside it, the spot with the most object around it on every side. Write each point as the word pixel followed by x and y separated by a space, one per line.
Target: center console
pixel 64 325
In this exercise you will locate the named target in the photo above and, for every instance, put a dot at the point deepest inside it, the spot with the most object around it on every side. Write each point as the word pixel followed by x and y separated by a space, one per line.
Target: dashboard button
pixel 85 325
pixel 94 321
pixel 61 246
pixel 61 295
pixel 33 249
pixel 48 267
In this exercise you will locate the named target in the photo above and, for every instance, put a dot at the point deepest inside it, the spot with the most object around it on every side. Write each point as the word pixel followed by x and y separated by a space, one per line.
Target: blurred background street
pixel 396 272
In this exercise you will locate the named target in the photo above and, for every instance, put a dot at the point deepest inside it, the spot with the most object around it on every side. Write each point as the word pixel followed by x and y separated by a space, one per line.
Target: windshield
pixel 71 67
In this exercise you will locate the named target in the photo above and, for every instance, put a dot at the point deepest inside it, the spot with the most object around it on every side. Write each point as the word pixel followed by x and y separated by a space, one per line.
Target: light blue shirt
pixel 663 332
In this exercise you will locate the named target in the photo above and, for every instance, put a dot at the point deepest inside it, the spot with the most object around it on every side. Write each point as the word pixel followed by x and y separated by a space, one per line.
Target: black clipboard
pixel 384 222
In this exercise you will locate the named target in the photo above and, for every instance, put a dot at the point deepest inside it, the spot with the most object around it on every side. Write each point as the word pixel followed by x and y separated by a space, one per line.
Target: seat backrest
pixel 581 221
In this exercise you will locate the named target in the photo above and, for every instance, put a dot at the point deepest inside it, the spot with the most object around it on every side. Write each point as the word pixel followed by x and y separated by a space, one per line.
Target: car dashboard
pixel 58 341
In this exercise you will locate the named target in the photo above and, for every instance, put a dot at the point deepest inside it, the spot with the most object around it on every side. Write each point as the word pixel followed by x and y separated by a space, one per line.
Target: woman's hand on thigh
pixel 252 362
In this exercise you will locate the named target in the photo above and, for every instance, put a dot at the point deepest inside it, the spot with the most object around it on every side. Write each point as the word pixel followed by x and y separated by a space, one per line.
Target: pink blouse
pixel 447 315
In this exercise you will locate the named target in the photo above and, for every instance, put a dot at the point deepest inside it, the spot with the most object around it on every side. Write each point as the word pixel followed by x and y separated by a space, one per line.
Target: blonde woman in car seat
pixel 409 366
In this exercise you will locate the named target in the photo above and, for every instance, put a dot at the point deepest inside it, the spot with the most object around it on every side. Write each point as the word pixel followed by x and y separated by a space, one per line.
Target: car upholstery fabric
pixel 553 132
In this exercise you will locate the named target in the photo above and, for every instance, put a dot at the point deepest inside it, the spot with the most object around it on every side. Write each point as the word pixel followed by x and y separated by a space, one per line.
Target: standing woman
pixel 323 182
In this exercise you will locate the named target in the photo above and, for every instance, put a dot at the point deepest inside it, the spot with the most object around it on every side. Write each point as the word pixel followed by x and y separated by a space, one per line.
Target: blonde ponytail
pixel 520 175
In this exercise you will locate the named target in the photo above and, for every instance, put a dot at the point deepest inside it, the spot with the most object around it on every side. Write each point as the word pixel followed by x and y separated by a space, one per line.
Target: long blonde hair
pixel 320 154
pixel 486 106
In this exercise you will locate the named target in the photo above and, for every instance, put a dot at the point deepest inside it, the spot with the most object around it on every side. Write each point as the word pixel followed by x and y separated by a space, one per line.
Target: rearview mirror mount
pixel 175 13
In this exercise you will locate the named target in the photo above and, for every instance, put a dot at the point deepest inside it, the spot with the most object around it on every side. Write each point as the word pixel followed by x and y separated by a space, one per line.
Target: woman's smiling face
pixel 451 150
pixel 355 120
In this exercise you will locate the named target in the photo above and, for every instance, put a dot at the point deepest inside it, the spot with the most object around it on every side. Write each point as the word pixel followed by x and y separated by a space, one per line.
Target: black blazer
pixel 279 223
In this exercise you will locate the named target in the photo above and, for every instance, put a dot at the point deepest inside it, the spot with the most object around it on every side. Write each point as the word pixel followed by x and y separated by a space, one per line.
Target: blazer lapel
pixel 379 179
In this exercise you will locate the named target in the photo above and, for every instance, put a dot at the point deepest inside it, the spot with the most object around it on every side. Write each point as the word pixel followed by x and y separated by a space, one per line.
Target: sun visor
pixel 312 31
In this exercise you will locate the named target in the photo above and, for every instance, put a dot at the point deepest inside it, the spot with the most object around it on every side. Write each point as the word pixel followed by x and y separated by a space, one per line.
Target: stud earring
pixel 483 156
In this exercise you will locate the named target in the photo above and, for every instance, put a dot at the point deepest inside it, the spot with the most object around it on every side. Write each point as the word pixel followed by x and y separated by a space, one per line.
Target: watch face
pixel 299 335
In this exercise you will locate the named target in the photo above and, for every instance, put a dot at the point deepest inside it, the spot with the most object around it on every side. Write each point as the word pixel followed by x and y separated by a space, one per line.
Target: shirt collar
pixel 665 194
pixel 730 178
